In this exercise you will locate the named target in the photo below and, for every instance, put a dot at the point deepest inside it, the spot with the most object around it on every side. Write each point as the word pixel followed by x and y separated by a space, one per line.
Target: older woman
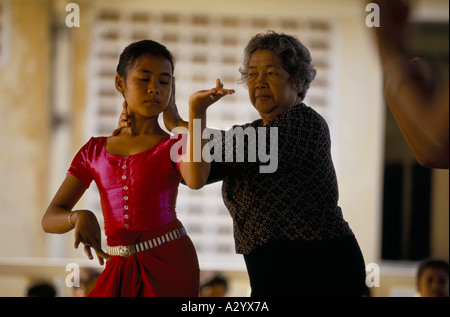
pixel 287 224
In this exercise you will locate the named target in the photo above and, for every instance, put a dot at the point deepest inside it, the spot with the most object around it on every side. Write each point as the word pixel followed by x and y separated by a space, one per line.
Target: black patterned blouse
pixel 298 201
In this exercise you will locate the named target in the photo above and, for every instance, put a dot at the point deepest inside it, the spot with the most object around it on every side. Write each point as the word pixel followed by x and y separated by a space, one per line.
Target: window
pixel 206 47
pixel 406 212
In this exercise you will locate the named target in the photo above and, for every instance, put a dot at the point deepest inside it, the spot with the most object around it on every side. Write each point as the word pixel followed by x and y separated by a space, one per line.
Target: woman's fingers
pixel 123 119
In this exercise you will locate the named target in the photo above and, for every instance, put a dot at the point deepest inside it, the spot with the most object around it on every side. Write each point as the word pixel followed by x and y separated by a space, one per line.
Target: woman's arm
pixel 56 218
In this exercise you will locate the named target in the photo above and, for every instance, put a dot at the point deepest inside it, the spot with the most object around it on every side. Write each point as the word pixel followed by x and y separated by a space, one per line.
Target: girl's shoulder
pixel 93 147
pixel 94 142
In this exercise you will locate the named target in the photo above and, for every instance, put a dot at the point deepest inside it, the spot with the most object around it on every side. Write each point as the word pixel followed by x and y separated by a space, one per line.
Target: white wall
pixel 358 143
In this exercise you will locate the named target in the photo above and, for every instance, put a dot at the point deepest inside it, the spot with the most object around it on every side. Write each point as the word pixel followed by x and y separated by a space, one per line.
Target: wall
pixel 24 107
pixel 27 89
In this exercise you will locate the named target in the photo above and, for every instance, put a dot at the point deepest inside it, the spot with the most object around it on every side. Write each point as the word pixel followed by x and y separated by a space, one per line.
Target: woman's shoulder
pixel 299 116
pixel 307 112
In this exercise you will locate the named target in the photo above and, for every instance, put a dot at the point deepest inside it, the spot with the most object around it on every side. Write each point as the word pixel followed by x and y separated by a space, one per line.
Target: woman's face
pixel 148 85
pixel 270 86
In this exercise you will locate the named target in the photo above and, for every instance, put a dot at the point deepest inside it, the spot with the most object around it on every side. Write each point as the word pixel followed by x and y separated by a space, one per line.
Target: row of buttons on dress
pixel 125 188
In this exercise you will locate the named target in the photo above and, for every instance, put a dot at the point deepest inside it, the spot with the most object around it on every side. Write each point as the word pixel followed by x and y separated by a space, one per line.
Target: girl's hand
pixel 124 120
pixel 87 232
pixel 201 100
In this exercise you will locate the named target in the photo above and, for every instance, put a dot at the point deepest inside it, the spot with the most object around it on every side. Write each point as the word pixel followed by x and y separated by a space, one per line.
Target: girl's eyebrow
pixel 149 72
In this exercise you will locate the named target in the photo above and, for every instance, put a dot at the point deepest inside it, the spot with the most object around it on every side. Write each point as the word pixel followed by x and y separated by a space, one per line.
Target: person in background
pixel 433 278
pixel 88 278
pixel 41 290
pixel 215 287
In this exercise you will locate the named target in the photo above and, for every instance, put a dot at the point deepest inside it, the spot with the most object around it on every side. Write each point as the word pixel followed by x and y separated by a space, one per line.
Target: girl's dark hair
pixel 132 52
pixel 294 55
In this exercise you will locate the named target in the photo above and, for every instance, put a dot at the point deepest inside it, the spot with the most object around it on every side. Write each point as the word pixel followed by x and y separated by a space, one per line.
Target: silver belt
pixel 129 250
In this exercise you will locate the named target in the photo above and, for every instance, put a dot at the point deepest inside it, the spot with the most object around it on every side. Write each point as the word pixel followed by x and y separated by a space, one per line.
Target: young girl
pixel 148 252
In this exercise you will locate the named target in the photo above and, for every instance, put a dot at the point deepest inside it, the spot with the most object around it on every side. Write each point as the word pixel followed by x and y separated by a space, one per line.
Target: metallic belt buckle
pixel 126 251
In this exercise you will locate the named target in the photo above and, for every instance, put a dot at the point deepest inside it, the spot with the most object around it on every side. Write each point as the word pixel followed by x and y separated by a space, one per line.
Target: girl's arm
pixel 56 218
pixel 193 166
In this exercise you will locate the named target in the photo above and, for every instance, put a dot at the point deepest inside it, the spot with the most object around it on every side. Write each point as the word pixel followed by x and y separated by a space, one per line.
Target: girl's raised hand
pixel 202 99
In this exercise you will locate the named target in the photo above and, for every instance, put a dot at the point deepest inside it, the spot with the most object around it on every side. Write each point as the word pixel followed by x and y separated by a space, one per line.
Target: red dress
pixel 138 197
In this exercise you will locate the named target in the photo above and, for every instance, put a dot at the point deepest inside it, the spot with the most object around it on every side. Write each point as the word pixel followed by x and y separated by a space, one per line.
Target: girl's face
pixel 148 86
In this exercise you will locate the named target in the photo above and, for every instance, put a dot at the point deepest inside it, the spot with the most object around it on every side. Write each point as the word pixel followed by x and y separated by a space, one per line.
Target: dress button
pixel 126 197
pixel 124 166
pixel 125 216
pixel 124 177
pixel 125 207
pixel 127 225
pixel 125 187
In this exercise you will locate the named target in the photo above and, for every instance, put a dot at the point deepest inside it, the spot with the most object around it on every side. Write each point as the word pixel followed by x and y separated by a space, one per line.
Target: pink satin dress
pixel 138 198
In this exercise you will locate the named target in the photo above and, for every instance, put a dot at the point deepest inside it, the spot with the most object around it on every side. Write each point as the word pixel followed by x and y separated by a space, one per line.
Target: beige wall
pixel 25 101
pixel 24 107
pixel 361 122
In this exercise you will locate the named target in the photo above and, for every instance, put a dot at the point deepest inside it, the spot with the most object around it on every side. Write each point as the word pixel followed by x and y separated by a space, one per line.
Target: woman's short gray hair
pixel 295 56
